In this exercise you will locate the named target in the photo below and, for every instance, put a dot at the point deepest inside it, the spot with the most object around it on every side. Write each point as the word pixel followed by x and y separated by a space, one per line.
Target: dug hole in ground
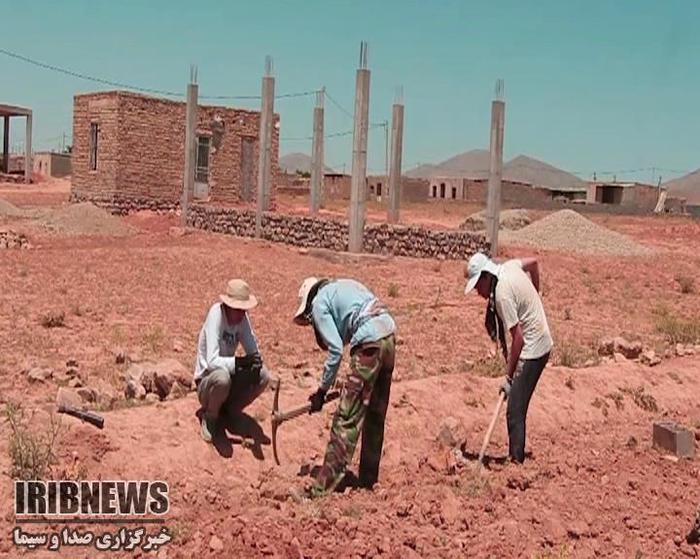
pixel 593 485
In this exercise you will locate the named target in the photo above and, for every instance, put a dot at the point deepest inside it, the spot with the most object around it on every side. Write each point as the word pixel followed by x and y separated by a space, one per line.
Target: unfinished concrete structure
pixel 129 151
pixel 632 194
pixel 52 164
pixel 7 112
pixel 411 190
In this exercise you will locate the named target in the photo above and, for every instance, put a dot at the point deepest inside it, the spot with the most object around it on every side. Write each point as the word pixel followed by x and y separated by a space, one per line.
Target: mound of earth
pixel 84 219
pixel 569 231
pixel 8 209
pixel 509 219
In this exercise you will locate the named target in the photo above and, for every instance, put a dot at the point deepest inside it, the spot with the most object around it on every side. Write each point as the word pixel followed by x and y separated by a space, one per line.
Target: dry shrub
pixel 491 366
pixel 602 405
pixel 154 339
pixel 393 290
pixel 677 330
pixel 617 398
pixel 561 552
pixel 686 283
pixel 643 400
pixel 573 355
pixel 53 319
pixel 32 450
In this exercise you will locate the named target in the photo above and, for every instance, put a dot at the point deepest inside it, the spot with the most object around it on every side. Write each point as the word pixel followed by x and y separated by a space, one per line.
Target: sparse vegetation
pixel 569 383
pixel 618 398
pixel 567 314
pixel 32 451
pixel 568 354
pixel 491 366
pixel 643 400
pixel 53 319
pixel 602 405
pixel 393 290
pixel 561 552
pixel 154 339
pixel 686 283
pixel 675 329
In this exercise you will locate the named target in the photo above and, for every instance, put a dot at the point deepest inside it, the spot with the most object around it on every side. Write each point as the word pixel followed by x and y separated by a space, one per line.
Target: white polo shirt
pixel 517 300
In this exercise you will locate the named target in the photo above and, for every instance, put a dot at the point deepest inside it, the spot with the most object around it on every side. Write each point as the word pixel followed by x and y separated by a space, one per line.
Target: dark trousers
pixel 524 383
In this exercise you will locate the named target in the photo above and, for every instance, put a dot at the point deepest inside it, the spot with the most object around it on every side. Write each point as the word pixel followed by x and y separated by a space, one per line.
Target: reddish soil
pixel 593 486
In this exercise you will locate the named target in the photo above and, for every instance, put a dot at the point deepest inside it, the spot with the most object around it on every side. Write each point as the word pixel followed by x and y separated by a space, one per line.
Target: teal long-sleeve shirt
pixel 337 316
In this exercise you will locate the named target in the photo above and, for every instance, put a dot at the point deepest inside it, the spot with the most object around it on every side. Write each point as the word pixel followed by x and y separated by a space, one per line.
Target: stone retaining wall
pixel 122 205
pixel 324 233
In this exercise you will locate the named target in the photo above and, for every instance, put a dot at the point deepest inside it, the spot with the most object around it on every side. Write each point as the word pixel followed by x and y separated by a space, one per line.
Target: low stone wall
pixel 122 205
pixel 324 233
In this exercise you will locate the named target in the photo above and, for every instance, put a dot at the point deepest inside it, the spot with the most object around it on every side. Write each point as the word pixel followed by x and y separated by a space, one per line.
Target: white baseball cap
pixel 477 264
pixel 304 291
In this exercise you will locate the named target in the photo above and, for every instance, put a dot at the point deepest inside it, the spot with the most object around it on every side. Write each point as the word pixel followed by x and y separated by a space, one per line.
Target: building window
pixel 434 191
pixel 94 135
pixel 442 190
pixel 454 192
pixel 202 169
pixel 379 189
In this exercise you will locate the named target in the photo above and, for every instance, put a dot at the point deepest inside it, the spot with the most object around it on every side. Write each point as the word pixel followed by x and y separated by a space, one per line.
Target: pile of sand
pixel 9 210
pixel 83 219
pixel 567 230
pixel 509 219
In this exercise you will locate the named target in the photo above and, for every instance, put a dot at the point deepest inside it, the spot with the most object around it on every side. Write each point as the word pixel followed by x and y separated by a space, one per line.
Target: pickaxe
pixel 279 417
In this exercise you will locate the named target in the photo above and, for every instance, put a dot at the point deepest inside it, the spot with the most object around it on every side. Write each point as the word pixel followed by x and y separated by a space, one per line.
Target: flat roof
pixel 11 110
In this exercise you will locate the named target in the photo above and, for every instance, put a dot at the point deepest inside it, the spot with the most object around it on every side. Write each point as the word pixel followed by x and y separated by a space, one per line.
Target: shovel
pixel 487 437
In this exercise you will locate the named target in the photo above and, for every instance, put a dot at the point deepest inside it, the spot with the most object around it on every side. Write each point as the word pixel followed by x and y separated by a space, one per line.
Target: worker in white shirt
pixel 223 380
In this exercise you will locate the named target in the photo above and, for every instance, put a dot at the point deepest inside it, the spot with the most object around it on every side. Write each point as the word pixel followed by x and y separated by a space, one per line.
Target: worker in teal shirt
pixel 344 312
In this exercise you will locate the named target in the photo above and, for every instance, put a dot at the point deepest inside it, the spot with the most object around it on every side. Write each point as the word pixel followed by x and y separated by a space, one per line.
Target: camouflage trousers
pixel 362 409
pixel 693 536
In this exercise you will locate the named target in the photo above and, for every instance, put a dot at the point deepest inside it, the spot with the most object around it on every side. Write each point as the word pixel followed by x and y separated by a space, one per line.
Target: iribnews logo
pixel 91 498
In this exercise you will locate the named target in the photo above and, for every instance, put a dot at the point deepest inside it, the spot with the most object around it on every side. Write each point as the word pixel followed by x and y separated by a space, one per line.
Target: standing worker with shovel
pixel 514 302
pixel 344 312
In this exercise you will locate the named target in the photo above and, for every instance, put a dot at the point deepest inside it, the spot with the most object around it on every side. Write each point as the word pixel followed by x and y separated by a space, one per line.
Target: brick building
pixel 51 164
pixel 130 149
pixel 632 194
pixel 476 190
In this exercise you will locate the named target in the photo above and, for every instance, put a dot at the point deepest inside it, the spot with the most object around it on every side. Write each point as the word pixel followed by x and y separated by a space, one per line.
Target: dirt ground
pixel 593 486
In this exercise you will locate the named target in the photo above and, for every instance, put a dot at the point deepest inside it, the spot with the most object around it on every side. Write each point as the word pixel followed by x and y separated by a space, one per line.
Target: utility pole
pixel 265 148
pixel 358 183
pixel 493 207
pixel 396 154
pixel 190 144
pixel 385 124
pixel 317 154
pixel 28 150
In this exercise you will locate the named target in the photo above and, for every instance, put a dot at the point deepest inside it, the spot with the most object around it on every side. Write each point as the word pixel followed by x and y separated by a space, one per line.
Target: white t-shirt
pixel 218 341
pixel 517 300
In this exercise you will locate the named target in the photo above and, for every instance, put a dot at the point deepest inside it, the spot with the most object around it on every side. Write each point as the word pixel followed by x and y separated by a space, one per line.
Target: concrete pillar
pixel 28 150
pixel 358 184
pixel 265 146
pixel 317 155
pixel 6 146
pixel 493 206
pixel 395 169
pixel 190 144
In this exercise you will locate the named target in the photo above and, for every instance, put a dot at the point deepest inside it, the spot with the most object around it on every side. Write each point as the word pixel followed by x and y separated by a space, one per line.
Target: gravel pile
pixel 567 230
pixel 83 219
pixel 509 219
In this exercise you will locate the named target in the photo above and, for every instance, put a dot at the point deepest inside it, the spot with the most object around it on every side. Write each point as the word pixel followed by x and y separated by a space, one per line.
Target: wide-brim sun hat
pixel 238 296
pixel 477 264
pixel 304 291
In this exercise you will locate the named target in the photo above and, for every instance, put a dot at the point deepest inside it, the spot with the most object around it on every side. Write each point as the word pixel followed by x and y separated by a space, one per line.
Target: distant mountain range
pixel 293 162
pixel 475 164
pixel 687 186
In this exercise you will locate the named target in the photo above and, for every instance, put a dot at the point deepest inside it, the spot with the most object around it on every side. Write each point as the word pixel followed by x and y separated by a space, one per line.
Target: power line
pixel 339 106
pixel 333 135
pixel 141 89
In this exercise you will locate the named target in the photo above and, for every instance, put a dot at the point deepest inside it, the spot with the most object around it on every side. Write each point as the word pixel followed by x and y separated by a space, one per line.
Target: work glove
pixel 250 365
pixel 317 400
pixel 506 386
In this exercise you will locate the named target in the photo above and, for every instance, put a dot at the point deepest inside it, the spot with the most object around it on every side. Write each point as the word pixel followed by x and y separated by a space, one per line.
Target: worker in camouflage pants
pixel 345 312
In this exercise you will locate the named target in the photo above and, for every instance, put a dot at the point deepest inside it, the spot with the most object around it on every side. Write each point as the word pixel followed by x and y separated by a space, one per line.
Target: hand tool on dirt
pixel 487 438
pixel 91 417
pixel 279 417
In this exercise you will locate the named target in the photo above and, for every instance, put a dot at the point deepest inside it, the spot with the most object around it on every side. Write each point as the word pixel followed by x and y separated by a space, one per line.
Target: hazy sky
pixel 594 85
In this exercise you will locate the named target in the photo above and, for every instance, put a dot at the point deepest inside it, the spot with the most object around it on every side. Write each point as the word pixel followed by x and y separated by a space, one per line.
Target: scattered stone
pixel 87 394
pixel 69 397
pixel 619 358
pixel 75 382
pixel 177 232
pixel 177 391
pixel 452 432
pixel 578 529
pixel 216 545
pixel 151 398
pixel 120 356
pixel 39 374
pixel 12 239
pixel 632 442
pixel 611 346
pixel 178 346
pixel 650 358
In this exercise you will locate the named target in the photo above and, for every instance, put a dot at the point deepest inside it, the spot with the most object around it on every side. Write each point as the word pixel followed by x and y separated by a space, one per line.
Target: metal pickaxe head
pixel 279 417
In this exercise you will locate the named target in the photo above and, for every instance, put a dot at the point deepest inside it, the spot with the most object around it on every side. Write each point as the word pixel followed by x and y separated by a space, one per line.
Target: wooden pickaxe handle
pixel 281 417
pixel 487 438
